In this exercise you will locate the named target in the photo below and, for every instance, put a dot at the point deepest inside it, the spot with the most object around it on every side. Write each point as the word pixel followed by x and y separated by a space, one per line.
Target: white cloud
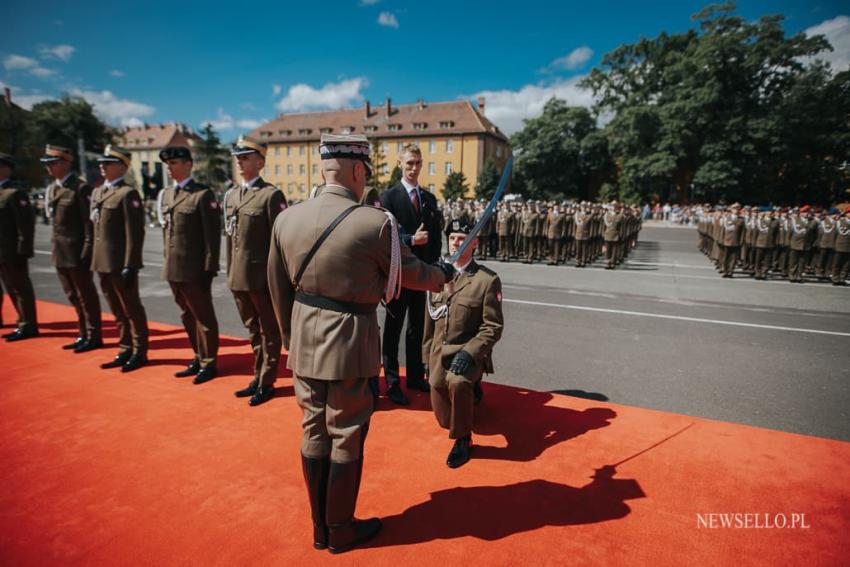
pixel 225 121
pixel 41 72
pixel 837 31
pixel 16 62
pixel 113 109
pixel 26 101
pixel 388 19
pixel 303 97
pixel 276 90
pixel 117 73
pixel 574 60
pixel 507 109
pixel 61 52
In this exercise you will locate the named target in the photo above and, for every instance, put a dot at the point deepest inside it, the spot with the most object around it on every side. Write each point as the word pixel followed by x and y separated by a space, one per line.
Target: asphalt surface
pixel 663 332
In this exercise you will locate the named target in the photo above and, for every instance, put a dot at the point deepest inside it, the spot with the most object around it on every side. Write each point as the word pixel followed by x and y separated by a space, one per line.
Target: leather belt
pixel 335 305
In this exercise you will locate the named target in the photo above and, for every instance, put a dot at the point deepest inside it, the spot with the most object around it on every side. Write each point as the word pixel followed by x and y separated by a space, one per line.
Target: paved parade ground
pixel 663 332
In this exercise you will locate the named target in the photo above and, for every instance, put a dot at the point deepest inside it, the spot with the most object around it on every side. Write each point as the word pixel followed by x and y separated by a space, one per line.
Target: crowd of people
pixel 793 242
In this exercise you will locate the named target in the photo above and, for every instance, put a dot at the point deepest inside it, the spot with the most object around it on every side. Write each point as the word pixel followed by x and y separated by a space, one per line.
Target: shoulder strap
pixel 318 244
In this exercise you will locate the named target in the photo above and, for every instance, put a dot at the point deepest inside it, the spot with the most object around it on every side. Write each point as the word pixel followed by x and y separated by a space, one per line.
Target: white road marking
pixel 676 317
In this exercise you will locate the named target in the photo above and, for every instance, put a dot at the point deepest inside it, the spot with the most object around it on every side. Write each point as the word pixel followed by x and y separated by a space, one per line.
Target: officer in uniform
pixel 17 231
pixel 504 228
pixel 68 204
pixel 767 233
pixel 582 221
pixel 802 232
pixel 464 323
pixel 191 228
pixel 331 262
pixel 826 244
pixel 555 234
pixel 250 210
pixel 119 236
pixel 841 263
pixel 613 221
pixel 732 236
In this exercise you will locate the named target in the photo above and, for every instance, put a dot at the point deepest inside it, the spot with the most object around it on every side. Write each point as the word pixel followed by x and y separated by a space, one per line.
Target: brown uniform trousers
pixel 249 217
pixel 826 248
pixel 613 227
pixel 555 235
pixel 192 242
pixel 73 237
pixel 334 351
pixel 582 222
pixel 732 234
pixel 801 234
pixel 765 241
pixel 119 235
pixel 504 227
pixel 841 262
pixel 17 230
pixel 473 323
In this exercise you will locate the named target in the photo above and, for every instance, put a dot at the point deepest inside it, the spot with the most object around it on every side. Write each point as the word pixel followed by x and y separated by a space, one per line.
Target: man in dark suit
pixel 417 213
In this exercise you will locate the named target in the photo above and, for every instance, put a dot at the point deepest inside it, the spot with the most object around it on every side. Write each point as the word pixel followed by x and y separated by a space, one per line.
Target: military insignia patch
pixel 213 204
pixel 136 203
pixel 282 206
pixel 499 296
pixel 24 202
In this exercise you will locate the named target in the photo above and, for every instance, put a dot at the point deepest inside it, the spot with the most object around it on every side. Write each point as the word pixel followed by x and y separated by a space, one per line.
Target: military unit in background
pixel 556 233
pixel 791 242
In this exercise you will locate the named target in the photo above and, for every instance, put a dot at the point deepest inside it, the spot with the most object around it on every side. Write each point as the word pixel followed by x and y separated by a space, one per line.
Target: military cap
pixel 245 145
pixel 6 159
pixel 352 146
pixel 805 209
pixel 460 226
pixel 56 153
pixel 115 154
pixel 175 152
pixel 846 210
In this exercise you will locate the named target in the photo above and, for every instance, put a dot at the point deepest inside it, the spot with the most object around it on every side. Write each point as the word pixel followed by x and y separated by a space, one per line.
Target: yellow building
pixel 144 142
pixel 453 136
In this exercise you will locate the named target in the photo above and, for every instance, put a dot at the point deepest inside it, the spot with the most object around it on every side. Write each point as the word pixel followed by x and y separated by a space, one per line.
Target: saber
pixel 488 212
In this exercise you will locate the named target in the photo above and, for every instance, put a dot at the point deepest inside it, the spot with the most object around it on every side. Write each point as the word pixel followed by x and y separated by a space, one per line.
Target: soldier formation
pixel 791 242
pixel 555 233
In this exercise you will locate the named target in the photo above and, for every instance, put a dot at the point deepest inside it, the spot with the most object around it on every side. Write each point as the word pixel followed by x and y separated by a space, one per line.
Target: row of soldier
pixel 553 232
pixel 792 242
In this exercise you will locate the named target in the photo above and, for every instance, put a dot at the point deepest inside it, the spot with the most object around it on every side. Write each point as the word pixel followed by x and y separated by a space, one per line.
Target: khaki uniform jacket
pixel 555 226
pixel 613 227
pixel 842 238
pixel 352 265
pixel 582 222
pixel 73 231
pixel 248 245
pixel 826 234
pixel 767 233
pixel 529 223
pixel 504 222
pixel 473 322
pixel 119 228
pixel 802 233
pixel 192 232
pixel 17 225
pixel 732 232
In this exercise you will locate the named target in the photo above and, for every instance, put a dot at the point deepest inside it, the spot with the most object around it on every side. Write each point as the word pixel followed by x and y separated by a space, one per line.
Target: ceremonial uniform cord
pixel 394 278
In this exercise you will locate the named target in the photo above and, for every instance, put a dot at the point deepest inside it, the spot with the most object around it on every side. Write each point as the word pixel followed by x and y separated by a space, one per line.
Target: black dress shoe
pixel 193 368
pixel 205 375
pixel 74 345
pixel 460 453
pixel 87 345
pixel 262 395
pixel 248 390
pixel 134 362
pixel 420 384
pixel 20 335
pixel 119 360
pixel 397 397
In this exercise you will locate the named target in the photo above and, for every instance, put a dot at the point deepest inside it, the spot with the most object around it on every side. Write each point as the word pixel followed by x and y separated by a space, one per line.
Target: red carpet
pixel 101 468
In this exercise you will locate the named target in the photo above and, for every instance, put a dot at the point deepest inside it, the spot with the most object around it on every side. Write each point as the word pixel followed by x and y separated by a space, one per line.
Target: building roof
pixel 385 121
pixel 155 136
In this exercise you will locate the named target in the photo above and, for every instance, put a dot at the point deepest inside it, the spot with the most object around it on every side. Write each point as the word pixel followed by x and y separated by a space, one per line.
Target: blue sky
pixel 241 63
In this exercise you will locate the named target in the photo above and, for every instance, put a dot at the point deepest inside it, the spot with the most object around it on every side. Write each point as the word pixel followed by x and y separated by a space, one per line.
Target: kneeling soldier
pixel 464 321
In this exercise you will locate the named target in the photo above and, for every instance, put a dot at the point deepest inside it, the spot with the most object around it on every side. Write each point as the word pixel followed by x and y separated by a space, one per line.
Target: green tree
pixel 379 161
pixel 455 186
pixel 488 181
pixel 211 159
pixel 395 177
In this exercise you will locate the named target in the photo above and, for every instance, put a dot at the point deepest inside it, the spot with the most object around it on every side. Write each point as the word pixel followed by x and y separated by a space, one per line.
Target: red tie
pixel 414 198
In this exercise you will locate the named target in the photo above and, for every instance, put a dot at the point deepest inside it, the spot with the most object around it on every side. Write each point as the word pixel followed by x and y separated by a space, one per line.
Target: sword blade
pixel 488 212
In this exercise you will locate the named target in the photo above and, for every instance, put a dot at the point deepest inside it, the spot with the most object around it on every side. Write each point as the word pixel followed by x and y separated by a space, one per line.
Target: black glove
pixel 129 275
pixel 207 278
pixel 462 363
pixel 448 270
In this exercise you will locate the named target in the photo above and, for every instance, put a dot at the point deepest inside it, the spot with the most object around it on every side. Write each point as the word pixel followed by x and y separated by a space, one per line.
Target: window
pixel 289 169
pixel 370 128
pixel 448 167
pixel 315 169
pixel 420 125
pixel 304 132
pixel 431 187
pixel 265 172
pixel 290 188
pixel 302 189
pixel 432 147
pixel 399 146
pixel 326 130
pixel 301 150
pixel 347 130
pixel 301 169
pixel 284 132
pixel 288 151
pixel 277 151
pixel 432 168
pixel 385 168
pixel 385 148
pixel 447 124
pixel 277 170
pixel 394 127
pixel 314 149
pixel 498 151
pixel 450 146
pixel 266 134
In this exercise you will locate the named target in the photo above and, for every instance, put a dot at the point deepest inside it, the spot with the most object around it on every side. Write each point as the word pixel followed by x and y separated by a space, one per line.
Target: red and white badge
pixel 499 296
pixel 136 203
pixel 283 206
pixel 213 204
pixel 24 203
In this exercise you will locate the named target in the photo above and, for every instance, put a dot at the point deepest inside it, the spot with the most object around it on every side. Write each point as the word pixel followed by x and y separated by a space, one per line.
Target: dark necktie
pixel 414 198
